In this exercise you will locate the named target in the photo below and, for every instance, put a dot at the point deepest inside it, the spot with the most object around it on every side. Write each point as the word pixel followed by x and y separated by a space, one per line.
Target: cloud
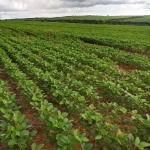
pixel 46 4
pixel 4 16
pixel 71 7
pixel 14 5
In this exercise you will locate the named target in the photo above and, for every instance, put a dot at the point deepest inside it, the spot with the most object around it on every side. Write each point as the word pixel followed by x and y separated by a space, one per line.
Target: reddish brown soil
pixel 144 53
pixel 125 128
pixel 2 146
pixel 47 34
pixel 39 138
pixel 124 68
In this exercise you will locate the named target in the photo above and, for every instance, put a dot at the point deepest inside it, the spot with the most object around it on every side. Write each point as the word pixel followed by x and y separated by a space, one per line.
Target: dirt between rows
pixel 124 68
pixel 40 137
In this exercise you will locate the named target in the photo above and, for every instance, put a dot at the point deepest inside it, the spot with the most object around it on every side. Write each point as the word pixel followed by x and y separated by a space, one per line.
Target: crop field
pixel 89 19
pixel 74 86
pixel 92 17
pixel 142 19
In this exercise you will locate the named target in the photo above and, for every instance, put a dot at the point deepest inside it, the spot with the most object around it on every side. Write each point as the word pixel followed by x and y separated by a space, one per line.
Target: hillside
pixel 120 20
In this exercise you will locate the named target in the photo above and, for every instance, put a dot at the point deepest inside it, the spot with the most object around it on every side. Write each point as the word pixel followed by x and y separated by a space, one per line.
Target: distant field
pixel 92 17
pixel 89 19
pixel 143 19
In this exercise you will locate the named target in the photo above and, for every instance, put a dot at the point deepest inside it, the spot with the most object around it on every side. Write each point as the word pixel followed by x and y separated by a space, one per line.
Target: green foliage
pixel 101 107
pixel 13 126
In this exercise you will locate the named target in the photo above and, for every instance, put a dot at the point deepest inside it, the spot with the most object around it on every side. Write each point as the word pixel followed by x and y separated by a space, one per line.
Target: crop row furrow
pixel 56 123
pixel 14 128
pixel 101 127
pixel 136 98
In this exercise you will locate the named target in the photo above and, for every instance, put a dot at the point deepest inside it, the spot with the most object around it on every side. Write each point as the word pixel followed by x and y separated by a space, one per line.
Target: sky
pixel 10 9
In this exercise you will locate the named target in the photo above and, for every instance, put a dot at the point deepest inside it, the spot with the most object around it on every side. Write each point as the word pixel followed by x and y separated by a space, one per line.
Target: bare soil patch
pixel 124 68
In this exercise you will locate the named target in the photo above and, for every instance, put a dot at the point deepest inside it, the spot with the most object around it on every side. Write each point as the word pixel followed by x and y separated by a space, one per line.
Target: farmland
pixel 106 18
pixel 92 17
pixel 89 19
pixel 74 86
pixel 142 19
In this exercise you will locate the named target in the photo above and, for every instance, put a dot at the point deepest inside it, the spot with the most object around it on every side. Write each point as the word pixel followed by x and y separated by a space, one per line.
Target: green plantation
pixel 89 19
pixel 74 86
pixel 142 19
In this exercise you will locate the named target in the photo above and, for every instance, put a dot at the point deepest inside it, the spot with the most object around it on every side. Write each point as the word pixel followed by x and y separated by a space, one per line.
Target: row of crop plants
pixel 60 62
pixel 14 128
pixel 138 81
pixel 135 39
pixel 87 109
pixel 106 130
pixel 58 126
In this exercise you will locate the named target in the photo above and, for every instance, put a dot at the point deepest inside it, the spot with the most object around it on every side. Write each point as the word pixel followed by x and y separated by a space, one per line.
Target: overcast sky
pixel 52 8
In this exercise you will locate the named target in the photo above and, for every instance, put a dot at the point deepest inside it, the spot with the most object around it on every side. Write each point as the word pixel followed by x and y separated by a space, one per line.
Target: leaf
pixel 131 137
pixel 65 114
pixel 68 126
pixel 61 144
pixel 72 139
pixel 3 124
pixel 7 116
pixel 81 99
pixel 21 118
pixel 3 110
pixel 77 135
pixel 137 141
pixel 15 117
pixel 18 133
pixel 67 147
pixel 33 146
pixel 39 146
pixel 61 102
pixel 33 132
pixel 119 133
pixel 149 138
pixel 24 133
pixel 12 142
pixel 144 144
pixel 92 106
pixel 35 98
pixel 64 139
pixel 123 110
pixel 13 96
pixel 77 132
pixel 134 111
pixel 84 139
pixel 78 138
pixel 43 107
pixel 88 146
pixel 10 129
pixel 98 137
pixel 13 134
